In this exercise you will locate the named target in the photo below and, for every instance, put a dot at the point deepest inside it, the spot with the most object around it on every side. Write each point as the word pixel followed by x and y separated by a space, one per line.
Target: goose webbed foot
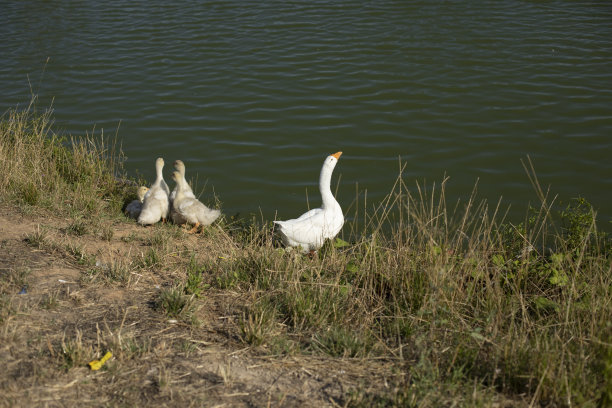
pixel 194 229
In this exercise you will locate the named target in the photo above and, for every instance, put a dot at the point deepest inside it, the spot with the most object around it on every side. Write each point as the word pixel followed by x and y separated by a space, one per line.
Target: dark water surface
pixel 253 95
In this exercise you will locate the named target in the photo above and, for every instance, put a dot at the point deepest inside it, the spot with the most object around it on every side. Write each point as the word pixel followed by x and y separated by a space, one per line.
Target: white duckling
pixel 189 210
pixel 133 209
pixel 312 228
pixel 180 167
pixel 155 205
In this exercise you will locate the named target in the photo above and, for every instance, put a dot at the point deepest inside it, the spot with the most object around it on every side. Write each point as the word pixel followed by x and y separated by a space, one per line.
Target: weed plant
pixel 451 293
pixel 174 303
pixel 76 176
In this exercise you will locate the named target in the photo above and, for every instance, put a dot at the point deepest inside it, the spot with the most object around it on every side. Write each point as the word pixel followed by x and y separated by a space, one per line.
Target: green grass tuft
pixel 174 303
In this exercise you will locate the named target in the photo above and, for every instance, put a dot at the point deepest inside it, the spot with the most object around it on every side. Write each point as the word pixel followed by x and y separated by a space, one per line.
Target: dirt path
pixel 54 319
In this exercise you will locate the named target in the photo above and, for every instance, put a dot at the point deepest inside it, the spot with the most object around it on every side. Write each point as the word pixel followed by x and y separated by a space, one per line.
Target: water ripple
pixel 254 95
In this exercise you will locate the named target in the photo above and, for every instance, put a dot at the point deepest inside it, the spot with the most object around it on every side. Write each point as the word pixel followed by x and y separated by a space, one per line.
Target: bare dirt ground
pixel 54 319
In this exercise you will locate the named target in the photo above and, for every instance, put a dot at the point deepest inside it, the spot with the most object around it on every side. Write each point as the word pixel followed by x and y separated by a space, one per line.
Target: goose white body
pixel 310 230
pixel 180 167
pixel 156 204
pixel 189 210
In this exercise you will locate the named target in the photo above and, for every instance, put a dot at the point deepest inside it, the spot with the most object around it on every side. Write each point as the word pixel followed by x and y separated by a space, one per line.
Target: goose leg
pixel 194 229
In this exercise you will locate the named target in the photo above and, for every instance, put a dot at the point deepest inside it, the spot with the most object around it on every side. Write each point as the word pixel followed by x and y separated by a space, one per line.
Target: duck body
pixel 174 215
pixel 134 208
pixel 189 210
pixel 156 204
pixel 180 167
pixel 310 230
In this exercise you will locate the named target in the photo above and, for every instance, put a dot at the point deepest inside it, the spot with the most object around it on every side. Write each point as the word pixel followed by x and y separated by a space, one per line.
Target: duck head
pixel 180 166
pixel 140 193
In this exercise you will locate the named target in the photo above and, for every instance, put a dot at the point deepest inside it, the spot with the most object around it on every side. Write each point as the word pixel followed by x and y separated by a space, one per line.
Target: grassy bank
pixel 76 176
pixel 462 306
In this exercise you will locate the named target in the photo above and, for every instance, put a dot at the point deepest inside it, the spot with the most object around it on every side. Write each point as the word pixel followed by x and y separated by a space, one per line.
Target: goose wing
pixel 308 230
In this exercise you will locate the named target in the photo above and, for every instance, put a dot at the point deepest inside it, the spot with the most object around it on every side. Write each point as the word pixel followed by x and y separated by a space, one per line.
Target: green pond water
pixel 252 96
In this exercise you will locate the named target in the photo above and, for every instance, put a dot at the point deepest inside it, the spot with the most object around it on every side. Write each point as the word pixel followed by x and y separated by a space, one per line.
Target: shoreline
pixel 447 307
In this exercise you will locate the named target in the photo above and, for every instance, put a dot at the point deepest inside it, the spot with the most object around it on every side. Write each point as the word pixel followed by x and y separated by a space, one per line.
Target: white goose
pixel 312 228
pixel 133 209
pixel 189 210
pixel 180 167
pixel 155 205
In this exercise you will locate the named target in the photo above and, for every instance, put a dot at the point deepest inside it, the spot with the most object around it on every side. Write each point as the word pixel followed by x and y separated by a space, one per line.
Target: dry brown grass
pixel 425 303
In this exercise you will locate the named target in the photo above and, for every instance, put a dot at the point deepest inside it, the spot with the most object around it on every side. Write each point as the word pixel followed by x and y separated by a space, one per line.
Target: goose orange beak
pixel 337 155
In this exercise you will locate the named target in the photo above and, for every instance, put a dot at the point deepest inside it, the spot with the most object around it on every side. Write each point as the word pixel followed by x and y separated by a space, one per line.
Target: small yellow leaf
pixel 97 364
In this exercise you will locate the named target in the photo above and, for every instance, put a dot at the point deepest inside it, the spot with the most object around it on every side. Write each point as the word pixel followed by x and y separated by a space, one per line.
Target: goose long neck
pixel 325 186
pixel 181 170
pixel 180 194
pixel 158 169
pixel 183 179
